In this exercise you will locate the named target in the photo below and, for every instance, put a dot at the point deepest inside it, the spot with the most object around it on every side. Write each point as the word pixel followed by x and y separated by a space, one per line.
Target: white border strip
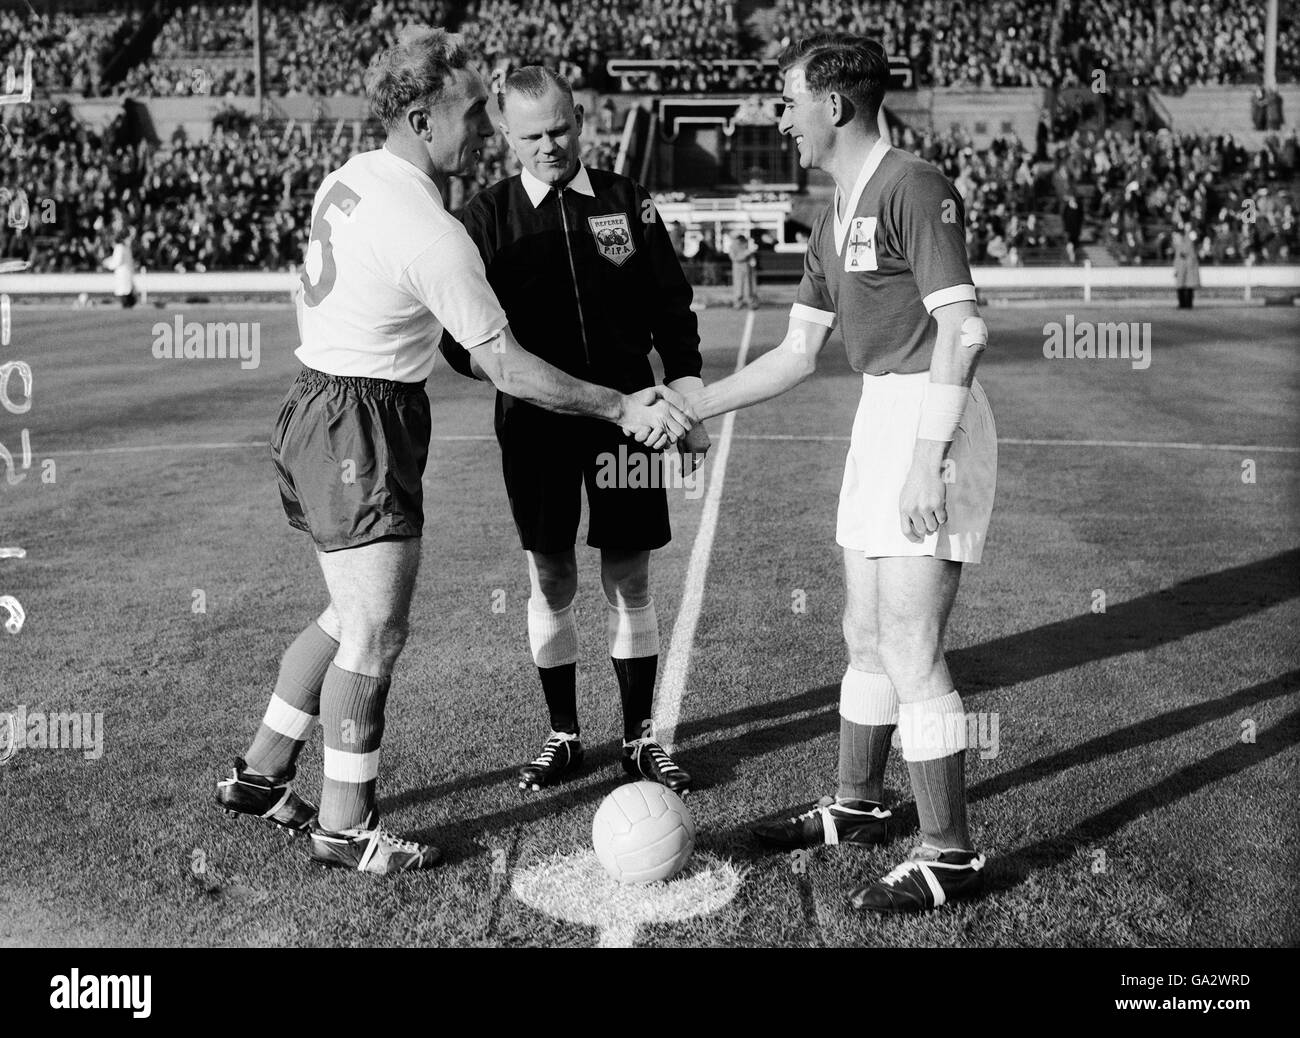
pixel 668 704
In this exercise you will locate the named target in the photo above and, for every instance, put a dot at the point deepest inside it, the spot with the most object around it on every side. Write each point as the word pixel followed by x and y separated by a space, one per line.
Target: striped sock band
pixel 868 699
pixel 868 714
pixel 295 703
pixel 552 634
pixel 932 728
pixel 633 631
pixel 352 714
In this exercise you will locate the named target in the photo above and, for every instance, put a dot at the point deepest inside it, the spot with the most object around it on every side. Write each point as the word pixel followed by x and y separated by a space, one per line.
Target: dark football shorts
pixel 546 458
pixel 350 456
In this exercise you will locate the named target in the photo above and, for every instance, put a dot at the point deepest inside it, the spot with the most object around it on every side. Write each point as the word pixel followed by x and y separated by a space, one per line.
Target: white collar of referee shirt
pixel 537 190
pixel 874 157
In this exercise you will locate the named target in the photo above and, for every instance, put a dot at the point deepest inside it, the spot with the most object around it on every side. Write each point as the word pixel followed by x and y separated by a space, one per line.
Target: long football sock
pixel 636 689
pixel 560 686
pixel 634 650
pixel 868 716
pixel 294 705
pixel 352 714
pixel 933 734
pixel 553 639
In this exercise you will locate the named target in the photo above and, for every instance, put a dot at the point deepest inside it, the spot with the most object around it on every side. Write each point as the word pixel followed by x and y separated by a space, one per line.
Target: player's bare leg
pixel 868 702
pixel 633 630
pixel 915 597
pixel 553 638
pixel 370 591
pixel 868 715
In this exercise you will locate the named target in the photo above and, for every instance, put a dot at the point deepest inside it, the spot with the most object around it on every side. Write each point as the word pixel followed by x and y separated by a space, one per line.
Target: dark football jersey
pixel 898 254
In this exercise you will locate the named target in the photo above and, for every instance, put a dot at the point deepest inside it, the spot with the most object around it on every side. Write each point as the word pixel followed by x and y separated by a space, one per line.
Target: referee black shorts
pixel 350 456
pixel 546 459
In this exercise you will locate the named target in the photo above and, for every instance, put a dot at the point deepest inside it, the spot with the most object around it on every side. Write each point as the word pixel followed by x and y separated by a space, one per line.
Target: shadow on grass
pixel 1008 870
pixel 1147 622
pixel 1187 608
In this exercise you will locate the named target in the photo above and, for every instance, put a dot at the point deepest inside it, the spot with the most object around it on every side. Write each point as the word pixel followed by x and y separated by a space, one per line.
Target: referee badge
pixel 613 237
pixel 861 253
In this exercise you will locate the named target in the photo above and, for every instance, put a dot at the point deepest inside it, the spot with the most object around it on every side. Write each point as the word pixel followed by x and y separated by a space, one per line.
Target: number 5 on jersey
pixel 345 200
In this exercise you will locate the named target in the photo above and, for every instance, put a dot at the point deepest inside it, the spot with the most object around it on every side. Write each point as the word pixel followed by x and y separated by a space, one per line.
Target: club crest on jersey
pixel 861 251
pixel 613 237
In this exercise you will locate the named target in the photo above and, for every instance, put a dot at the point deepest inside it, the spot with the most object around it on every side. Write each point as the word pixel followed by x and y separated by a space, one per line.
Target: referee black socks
pixel 560 686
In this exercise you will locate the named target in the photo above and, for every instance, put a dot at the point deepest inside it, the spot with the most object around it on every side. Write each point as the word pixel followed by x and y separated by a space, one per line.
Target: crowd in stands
pixel 242 197
pixel 1181 43
pixel 578 35
pixel 1138 188
pixel 324 46
pixel 239 199
pixel 226 202
pixel 996 43
pixel 310 47
pixel 68 52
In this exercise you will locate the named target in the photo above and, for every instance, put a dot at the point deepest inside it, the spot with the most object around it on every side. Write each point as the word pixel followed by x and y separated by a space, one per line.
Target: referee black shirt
pixel 588 278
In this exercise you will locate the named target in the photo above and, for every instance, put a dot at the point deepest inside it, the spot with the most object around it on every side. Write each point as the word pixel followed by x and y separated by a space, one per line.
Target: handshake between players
pixel 656 416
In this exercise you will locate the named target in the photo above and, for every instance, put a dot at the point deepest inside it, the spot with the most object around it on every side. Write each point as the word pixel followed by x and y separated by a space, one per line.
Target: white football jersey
pixel 387 269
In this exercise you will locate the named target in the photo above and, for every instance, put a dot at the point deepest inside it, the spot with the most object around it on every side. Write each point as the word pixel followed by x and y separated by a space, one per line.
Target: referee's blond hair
pixel 414 69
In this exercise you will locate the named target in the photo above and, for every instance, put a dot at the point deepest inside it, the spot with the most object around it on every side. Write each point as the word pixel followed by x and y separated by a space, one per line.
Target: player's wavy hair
pixel 855 66
pixel 415 68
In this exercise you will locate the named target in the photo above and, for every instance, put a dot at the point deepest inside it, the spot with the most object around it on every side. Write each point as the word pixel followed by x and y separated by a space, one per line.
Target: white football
pixel 642 833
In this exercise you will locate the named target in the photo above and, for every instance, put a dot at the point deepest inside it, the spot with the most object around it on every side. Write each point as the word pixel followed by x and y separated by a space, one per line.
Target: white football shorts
pixel 880 455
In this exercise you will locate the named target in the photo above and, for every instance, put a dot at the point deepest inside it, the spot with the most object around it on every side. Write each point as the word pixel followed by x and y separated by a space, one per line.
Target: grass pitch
pixel 1143 788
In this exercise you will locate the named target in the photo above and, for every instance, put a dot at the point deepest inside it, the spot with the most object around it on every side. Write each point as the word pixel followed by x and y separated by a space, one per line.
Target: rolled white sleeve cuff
pixel 944 296
pixel 486 337
pixel 823 317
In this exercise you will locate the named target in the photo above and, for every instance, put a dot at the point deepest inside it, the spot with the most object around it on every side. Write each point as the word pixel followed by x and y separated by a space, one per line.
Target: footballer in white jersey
pixel 386 271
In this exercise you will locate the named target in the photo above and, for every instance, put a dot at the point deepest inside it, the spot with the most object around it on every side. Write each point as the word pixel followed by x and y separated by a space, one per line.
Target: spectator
pixel 1187 270
pixel 122 264
pixel 744 264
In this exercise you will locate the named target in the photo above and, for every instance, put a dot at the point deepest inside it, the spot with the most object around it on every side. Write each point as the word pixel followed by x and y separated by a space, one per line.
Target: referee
pixel 588 277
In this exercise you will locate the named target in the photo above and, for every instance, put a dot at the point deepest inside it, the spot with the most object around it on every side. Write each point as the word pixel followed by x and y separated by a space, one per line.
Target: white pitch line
pixel 1152 444
pixel 668 705
pixel 1254 448
pixel 147 448
pixel 1017 442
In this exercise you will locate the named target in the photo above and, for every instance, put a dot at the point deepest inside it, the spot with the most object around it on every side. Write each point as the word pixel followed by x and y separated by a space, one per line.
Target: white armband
pixel 941 411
